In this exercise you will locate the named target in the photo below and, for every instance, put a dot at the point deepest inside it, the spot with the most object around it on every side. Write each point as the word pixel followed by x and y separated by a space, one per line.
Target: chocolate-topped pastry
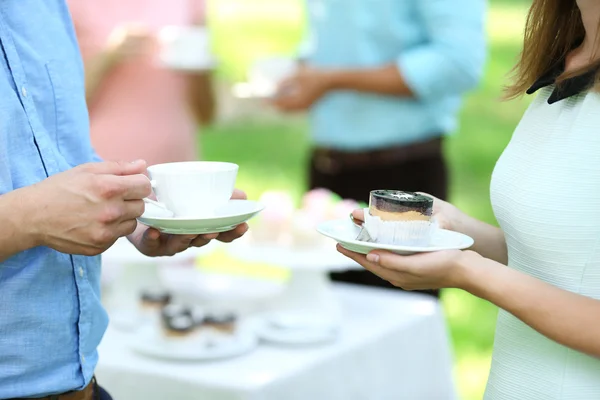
pixel 222 322
pixel 155 299
pixel 199 315
pixel 395 205
pixel 179 326
pixel 171 311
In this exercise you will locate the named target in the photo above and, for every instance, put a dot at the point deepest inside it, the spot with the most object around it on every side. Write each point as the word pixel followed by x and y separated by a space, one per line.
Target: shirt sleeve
pixel 451 61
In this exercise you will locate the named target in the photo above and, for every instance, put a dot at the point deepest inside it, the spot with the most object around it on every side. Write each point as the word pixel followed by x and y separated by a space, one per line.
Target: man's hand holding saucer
pixel 151 242
pixel 198 193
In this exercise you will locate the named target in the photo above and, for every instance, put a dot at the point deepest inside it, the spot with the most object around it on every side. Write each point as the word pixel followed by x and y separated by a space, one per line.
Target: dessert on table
pixel 221 322
pixel 181 326
pixel 284 224
pixel 153 300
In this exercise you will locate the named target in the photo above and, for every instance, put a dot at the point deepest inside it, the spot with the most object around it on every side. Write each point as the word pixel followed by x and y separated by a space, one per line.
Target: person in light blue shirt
pixel 383 81
pixel 60 207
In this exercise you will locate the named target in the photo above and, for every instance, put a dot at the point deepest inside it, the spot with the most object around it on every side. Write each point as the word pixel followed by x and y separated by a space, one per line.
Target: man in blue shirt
pixel 383 81
pixel 58 210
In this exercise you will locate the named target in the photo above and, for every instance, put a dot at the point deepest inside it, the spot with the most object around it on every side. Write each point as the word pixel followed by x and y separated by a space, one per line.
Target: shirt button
pixel 24 91
pixel 81 272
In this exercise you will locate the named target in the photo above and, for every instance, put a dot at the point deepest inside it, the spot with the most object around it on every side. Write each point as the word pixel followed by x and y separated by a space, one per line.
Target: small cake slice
pixel 175 310
pixel 154 300
pixel 399 218
pixel 179 327
pixel 222 322
pixel 395 205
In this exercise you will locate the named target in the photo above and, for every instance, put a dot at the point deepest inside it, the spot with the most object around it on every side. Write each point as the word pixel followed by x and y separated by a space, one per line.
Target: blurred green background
pixel 272 152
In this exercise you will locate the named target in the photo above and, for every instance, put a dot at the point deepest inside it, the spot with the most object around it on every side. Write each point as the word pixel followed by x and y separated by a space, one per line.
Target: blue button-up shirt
pixel 51 318
pixel 438 46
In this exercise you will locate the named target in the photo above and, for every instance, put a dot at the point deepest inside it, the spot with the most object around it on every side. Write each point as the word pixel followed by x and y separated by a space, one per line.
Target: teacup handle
pixel 154 202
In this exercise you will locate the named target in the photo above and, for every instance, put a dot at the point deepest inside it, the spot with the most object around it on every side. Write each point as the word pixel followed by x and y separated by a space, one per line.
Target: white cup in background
pixel 185 48
pixel 193 189
pixel 266 74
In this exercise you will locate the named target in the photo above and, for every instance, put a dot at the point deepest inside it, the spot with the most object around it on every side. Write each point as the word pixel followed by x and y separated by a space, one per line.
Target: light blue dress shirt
pixel 438 46
pixel 51 318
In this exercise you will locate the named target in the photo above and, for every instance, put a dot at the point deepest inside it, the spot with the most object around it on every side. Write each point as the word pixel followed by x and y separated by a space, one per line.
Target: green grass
pixel 272 152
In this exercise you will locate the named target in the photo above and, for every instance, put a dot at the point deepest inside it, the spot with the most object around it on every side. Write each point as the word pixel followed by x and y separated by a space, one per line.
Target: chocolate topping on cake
pixel 218 319
pixel 176 310
pixel 156 297
pixel 398 202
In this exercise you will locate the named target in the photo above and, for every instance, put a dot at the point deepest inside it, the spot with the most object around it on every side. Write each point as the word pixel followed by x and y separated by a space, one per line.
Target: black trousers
pixel 428 174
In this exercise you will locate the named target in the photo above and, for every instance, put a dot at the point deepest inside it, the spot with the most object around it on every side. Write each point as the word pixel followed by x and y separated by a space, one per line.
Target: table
pixel 393 345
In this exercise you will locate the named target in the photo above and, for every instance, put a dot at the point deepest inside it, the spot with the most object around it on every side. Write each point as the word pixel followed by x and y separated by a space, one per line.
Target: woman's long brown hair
pixel 553 28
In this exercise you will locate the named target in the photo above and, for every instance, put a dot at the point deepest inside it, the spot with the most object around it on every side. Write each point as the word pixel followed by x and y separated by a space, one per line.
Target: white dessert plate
pixel 226 218
pixel 200 346
pixel 296 329
pixel 344 231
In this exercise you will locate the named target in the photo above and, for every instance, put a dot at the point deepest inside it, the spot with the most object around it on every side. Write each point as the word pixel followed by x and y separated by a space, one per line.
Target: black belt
pixel 331 160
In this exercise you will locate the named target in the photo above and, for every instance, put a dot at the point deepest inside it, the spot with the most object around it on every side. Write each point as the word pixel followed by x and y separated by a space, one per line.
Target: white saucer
pixel 201 346
pixel 225 219
pixel 344 231
pixel 182 66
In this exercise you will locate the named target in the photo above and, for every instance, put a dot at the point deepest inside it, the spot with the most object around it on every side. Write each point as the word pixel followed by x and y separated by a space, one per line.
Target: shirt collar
pixel 567 88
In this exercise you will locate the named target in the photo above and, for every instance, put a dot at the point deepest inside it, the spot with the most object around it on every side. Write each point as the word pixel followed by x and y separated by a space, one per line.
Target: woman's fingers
pixel 384 273
pixel 359 215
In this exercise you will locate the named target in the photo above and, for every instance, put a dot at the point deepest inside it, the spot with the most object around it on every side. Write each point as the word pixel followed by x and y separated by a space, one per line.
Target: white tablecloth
pixel 393 346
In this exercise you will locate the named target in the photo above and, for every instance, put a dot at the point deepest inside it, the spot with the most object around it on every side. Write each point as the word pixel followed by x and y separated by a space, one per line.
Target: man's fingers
pixel 126 228
pixel 151 240
pixel 202 240
pixel 228 237
pixel 239 195
pixel 129 187
pixel 135 187
pixel 116 167
pixel 133 209
pixel 178 243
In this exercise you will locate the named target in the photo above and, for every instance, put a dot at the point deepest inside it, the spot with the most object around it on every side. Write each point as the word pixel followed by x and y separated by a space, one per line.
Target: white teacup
pixel 185 47
pixel 193 189
pixel 266 74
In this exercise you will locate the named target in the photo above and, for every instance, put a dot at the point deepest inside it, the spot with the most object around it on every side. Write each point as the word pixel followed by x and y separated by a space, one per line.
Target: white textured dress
pixel 546 196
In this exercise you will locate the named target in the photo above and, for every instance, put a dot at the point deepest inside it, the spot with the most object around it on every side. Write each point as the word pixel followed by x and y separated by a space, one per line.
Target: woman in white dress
pixel 545 193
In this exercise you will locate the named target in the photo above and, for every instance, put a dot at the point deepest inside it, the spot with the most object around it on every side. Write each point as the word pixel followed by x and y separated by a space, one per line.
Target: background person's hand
pixel 301 91
pixel 153 243
pixel 127 42
pixel 86 209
